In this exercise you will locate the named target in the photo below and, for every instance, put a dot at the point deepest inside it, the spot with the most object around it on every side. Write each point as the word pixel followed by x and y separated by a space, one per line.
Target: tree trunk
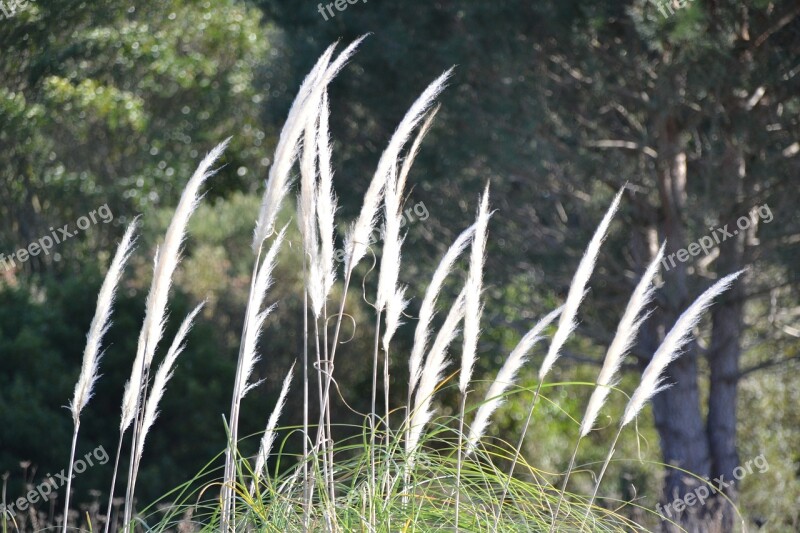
pixel 676 410
pixel 723 360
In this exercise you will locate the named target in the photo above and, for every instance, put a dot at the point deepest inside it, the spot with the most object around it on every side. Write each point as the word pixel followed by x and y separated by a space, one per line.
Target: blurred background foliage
pixel 556 103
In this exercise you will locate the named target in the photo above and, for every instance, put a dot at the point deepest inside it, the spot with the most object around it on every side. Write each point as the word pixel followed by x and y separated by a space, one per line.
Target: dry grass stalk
pixel 91 353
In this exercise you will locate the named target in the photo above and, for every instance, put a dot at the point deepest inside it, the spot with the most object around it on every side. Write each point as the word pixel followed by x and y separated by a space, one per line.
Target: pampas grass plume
pixel 170 250
pixel 326 201
pixel 268 439
pixel 286 150
pixel 505 378
pixel 472 299
pixel 166 261
pixel 671 347
pixel 163 375
pixel 428 306
pixel 91 354
pixel 567 322
pixel 435 364
pixel 304 105
pixel 100 323
pixel 394 313
pixel 256 316
pixel 627 330
pixel 356 242
pixel 392 244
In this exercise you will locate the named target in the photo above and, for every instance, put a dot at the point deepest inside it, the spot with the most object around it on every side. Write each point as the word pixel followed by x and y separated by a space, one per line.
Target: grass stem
pixel 600 476
pixel 69 475
pixel 518 450
pixel 114 481
pixel 564 484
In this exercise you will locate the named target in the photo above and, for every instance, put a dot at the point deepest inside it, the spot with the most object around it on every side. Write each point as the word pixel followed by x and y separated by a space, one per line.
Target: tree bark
pixel 676 410
pixel 723 360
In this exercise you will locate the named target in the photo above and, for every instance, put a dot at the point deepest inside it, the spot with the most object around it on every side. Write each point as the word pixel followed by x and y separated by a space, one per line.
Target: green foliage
pixel 162 81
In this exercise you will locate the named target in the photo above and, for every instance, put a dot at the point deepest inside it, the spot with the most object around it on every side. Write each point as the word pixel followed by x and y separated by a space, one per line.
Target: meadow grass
pixel 425 501
pixel 407 468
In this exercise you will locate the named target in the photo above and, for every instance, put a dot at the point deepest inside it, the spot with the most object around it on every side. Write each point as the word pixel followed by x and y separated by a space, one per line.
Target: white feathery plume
pixel 326 201
pixel 472 300
pixel 394 313
pixel 130 396
pixel 671 347
pixel 163 375
pixel 268 439
pixel 166 261
pixel 170 251
pixel 505 378
pixel 304 105
pixel 390 295
pixel 395 306
pixel 91 354
pixel 627 330
pixel 652 377
pixel 392 243
pixel 411 155
pixel 428 306
pixel 473 309
pixel 306 205
pixel 307 216
pixel 435 364
pixel 100 323
pixel 388 276
pixel 286 150
pixel 255 318
pixel 248 356
pixel 567 322
pixel 358 236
